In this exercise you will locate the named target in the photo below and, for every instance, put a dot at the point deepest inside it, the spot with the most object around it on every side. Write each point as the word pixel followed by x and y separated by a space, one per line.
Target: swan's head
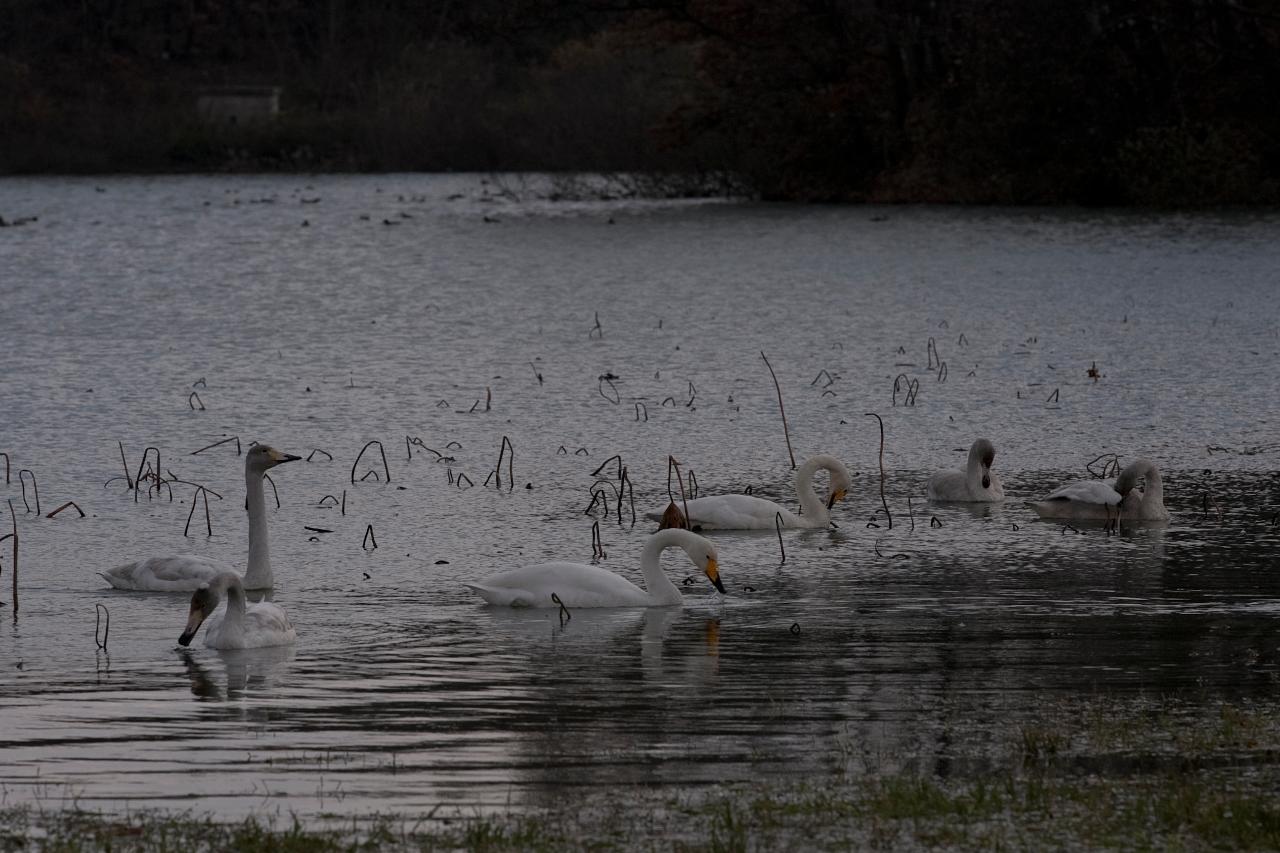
pixel 262 457
pixel 704 557
pixel 1133 472
pixel 983 453
pixel 841 483
pixel 203 602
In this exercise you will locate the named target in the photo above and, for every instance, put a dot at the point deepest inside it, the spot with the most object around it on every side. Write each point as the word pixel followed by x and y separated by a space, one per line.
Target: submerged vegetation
pixel 1146 101
pixel 1088 774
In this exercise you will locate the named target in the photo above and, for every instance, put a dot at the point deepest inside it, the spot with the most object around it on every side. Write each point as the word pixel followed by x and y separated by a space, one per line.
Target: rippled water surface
pixel 325 313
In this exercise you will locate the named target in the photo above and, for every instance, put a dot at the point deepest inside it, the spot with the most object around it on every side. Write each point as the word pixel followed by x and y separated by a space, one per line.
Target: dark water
pixel 869 647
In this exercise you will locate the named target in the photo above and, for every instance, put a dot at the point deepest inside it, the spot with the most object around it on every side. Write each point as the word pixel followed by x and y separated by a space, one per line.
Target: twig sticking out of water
pixel 693 392
pixel 641 408
pixel 602 381
pixel 625 481
pixel 152 474
pixel 509 450
pixel 488 398
pixel 6 468
pixel 328 498
pixel 22 478
pixel 536 373
pixel 368 536
pixel 194 398
pixel 123 461
pixel 933 354
pixel 597 331
pixel 673 465
pixel 274 492
pixel 344 502
pixel 462 477
pixel 64 506
pixel 200 383
pixel 385 469
pixel 911 514
pixel 13 520
pixel 795 628
pixel 933 521
pixel 777 526
pixel 786 430
pixel 693 485
pixel 597 546
pixel 234 438
pixel 565 615
pixel 327 454
pixel 883 500
pixel 963 342
pixel 98 610
pixel 821 373
pixel 1052 398
pixel 911 386
pixel 1110 466
pixel 200 493
pixel 410 442
pixel 942 371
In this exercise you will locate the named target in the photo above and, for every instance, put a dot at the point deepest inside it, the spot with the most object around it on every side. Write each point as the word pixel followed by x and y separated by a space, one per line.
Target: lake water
pixel 323 313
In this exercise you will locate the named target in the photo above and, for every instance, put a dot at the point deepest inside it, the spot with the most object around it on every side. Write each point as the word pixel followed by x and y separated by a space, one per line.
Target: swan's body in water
pixel 746 512
pixel 241 625
pixel 975 483
pixel 578 585
pixel 185 573
pixel 1104 500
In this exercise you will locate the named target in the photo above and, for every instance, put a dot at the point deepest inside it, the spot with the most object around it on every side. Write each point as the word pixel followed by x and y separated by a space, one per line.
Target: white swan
pixel 1103 500
pixel 975 483
pixel 186 572
pixel 746 512
pixel 240 626
pixel 579 585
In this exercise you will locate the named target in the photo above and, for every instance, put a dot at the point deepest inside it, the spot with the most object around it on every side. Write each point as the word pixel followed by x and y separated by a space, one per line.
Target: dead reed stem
pixel 234 438
pixel 35 487
pixel 6 468
pixel 208 522
pixel 883 500
pixel 64 506
pixel 99 609
pixel 509 450
pixel 673 464
pixel 125 463
pixel 368 536
pixel 385 468
pixel 597 545
pixel 786 430
pixel 13 520
pixel 777 524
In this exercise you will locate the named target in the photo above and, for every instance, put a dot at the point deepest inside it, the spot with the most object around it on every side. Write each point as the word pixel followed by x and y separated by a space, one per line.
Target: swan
pixel 746 512
pixel 1106 499
pixel 975 483
pixel 186 572
pixel 240 626
pixel 578 585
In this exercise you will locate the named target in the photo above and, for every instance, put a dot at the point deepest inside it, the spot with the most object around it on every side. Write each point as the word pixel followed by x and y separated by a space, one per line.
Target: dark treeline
pixel 996 101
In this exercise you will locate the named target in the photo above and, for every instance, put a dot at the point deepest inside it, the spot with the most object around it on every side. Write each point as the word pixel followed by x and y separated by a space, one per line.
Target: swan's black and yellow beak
pixel 986 481
pixel 713 574
pixel 837 495
pixel 281 458
pixel 194 620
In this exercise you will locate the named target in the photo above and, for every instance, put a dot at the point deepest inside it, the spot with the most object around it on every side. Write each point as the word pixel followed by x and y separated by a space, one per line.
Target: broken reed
pixel 201 491
pixel 673 465
pixel 597 544
pixel 786 430
pixel 386 470
pixel 13 520
pixel 883 501
pixel 35 487
pixel 6 468
pixel 98 609
pixel 777 523
pixel 509 450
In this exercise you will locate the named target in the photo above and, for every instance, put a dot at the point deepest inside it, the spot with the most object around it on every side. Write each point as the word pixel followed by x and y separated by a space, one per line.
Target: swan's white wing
pixel 575 584
pixel 183 573
pixel 737 512
pixel 1099 492
pixel 265 625
pixel 948 486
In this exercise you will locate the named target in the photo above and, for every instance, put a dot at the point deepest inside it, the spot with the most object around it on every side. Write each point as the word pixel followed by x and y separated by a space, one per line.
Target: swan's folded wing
pixel 736 512
pixel 181 573
pixel 267 624
pixel 1097 492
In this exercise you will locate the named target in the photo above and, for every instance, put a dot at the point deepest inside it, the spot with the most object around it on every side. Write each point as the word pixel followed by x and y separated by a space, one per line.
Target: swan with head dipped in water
pixel 1105 500
pixel 241 625
pixel 975 483
pixel 747 512
pixel 186 572
pixel 580 585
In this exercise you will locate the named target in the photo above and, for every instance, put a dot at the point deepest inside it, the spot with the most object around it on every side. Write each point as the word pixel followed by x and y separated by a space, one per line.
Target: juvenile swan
pixel 745 512
pixel 241 626
pixel 579 585
pixel 1102 500
pixel 975 483
pixel 186 572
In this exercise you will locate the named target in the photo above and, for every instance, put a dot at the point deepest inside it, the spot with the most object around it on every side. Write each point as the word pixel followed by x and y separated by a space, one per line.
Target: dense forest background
pixel 1167 102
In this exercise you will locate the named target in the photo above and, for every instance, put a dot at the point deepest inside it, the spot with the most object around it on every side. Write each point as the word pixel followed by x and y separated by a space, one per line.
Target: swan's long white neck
pixel 973 470
pixel 810 504
pixel 656 582
pixel 258 574
pixel 233 623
